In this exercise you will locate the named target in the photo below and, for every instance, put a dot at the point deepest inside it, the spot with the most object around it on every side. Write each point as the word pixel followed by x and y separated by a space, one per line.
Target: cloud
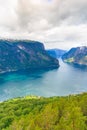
pixel 56 12
pixel 33 15
pixel 64 21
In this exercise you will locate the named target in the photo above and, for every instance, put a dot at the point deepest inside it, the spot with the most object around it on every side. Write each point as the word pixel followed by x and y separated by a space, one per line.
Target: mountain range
pixel 17 55
pixel 56 53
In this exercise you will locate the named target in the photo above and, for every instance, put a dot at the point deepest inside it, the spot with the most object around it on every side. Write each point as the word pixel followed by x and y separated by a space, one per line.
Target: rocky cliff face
pixel 76 56
pixel 19 55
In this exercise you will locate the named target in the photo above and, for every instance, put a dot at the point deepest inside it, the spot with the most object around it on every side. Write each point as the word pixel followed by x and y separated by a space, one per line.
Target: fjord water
pixel 63 81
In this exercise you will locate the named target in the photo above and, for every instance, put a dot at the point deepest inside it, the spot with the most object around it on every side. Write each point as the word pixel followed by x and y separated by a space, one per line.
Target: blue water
pixel 63 81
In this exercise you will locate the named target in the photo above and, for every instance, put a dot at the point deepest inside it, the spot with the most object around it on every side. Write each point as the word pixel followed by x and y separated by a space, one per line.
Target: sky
pixel 56 23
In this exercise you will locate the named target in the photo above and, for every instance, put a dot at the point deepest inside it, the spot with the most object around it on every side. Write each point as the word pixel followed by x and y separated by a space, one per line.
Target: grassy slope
pixel 38 113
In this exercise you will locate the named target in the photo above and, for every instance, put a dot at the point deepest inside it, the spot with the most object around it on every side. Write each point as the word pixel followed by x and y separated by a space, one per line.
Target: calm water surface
pixel 60 82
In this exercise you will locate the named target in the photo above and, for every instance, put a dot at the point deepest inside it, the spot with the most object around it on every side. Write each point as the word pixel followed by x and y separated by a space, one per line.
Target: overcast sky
pixel 57 23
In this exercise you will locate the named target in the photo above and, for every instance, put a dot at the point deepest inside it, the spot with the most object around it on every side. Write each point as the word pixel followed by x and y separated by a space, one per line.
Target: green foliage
pixel 69 60
pixel 38 113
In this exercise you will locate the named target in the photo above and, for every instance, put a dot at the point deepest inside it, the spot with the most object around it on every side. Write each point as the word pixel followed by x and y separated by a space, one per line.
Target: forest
pixel 41 113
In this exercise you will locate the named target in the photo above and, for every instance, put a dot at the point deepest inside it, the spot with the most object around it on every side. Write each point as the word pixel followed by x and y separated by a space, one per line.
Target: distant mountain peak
pixel 56 53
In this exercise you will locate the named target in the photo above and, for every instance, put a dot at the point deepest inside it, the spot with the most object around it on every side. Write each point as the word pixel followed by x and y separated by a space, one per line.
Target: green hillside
pixel 39 113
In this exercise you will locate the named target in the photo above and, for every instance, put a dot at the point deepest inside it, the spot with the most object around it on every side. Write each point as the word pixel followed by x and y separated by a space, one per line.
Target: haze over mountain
pixel 56 53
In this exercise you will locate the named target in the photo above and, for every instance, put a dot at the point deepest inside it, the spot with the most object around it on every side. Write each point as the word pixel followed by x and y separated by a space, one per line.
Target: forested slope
pixel 38 113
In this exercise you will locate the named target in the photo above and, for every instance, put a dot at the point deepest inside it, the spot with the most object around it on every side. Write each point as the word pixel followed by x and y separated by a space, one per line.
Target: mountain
pixel 76 55
pixel 23 54
pixel 56 53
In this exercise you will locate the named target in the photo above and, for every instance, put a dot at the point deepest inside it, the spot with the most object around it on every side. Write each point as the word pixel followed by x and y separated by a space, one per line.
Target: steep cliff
pixel 23 54
pixel 76 55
